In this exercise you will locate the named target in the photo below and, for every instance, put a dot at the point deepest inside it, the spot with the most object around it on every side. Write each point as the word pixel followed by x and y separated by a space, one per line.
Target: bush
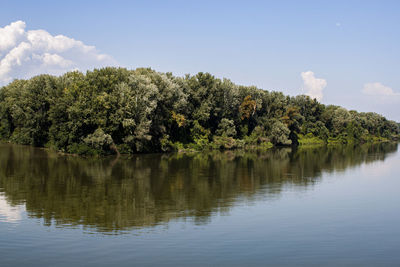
pixel 280 134
pixel 83 149
pixel 226 128
pixel 99 141
pixel 224 142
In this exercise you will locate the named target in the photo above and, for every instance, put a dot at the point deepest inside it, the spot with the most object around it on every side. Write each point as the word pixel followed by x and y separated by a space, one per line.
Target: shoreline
pixel 246 148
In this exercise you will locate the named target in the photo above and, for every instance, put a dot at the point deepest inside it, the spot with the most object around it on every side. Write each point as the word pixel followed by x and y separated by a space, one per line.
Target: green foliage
pixel 316 129
pixel 224 142
pixel 99 140
pixel 257 138
pixel 247 108
pixel 115 110
pixel 310 140
pixel 280 134
pixel 165 143
pixel 200 136
pixel 226 128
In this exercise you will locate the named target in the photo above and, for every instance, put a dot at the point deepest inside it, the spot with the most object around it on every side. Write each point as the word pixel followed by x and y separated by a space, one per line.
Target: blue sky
pixel 354 46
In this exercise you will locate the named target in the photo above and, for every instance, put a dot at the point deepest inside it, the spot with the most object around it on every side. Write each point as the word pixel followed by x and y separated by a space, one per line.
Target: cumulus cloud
pixel 313 86
pixel 27 53
pixel 378 89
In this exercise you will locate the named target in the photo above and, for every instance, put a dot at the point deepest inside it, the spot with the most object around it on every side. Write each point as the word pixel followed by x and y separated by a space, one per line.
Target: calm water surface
pixel 321 206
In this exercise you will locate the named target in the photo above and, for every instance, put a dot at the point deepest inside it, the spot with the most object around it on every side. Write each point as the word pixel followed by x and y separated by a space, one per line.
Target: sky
pixel 345 53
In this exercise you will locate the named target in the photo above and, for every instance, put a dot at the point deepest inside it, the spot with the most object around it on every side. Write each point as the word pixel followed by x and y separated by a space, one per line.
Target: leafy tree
pixel 280 134
pixel 292 119
pixel 136 102
pixel 341 118
pixel 247 108
pixel 99 140
pixel 226 128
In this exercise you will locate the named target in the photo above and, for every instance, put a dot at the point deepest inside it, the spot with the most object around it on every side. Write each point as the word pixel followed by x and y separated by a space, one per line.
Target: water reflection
pixel 10 213
pixel 112 195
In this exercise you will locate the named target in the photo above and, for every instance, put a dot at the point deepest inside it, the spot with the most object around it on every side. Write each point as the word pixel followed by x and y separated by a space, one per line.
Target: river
pixel 310 206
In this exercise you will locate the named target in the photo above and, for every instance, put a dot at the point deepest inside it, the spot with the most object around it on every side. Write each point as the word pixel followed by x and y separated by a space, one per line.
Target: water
pixel 319 206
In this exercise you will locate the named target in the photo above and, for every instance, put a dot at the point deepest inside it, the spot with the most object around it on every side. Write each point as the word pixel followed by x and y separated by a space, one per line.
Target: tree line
pixel 116 110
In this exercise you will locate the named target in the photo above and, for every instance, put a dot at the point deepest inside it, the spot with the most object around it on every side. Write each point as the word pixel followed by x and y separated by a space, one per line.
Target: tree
pixel 280 134
pixel 247 108
pixel 99 140
pixel 341 118
pixel 136 102
pixel 226 128
pixel 292 119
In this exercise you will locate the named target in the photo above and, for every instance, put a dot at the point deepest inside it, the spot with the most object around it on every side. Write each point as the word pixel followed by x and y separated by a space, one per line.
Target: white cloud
pixel 378 89
pixel 27 53
pixel 10 35
pixel 314 86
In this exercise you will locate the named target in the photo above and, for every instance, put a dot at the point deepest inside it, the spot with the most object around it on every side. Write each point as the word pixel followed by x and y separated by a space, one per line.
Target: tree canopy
pixel 115 110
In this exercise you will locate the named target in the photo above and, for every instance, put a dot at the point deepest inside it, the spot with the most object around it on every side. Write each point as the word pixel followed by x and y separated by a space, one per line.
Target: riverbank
pixel 225 144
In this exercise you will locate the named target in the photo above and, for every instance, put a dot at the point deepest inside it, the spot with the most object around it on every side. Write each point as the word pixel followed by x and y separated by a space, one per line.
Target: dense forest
pixel 115 110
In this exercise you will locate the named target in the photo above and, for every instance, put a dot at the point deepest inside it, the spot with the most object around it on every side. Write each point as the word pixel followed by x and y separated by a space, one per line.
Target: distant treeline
pixel 115 110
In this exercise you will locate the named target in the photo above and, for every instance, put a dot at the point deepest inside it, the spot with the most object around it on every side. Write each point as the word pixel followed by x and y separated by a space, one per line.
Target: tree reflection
pixel 146 190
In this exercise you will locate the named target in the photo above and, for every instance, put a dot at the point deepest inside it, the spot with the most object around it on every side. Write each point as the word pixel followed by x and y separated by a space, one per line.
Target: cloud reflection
pixel 9 213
